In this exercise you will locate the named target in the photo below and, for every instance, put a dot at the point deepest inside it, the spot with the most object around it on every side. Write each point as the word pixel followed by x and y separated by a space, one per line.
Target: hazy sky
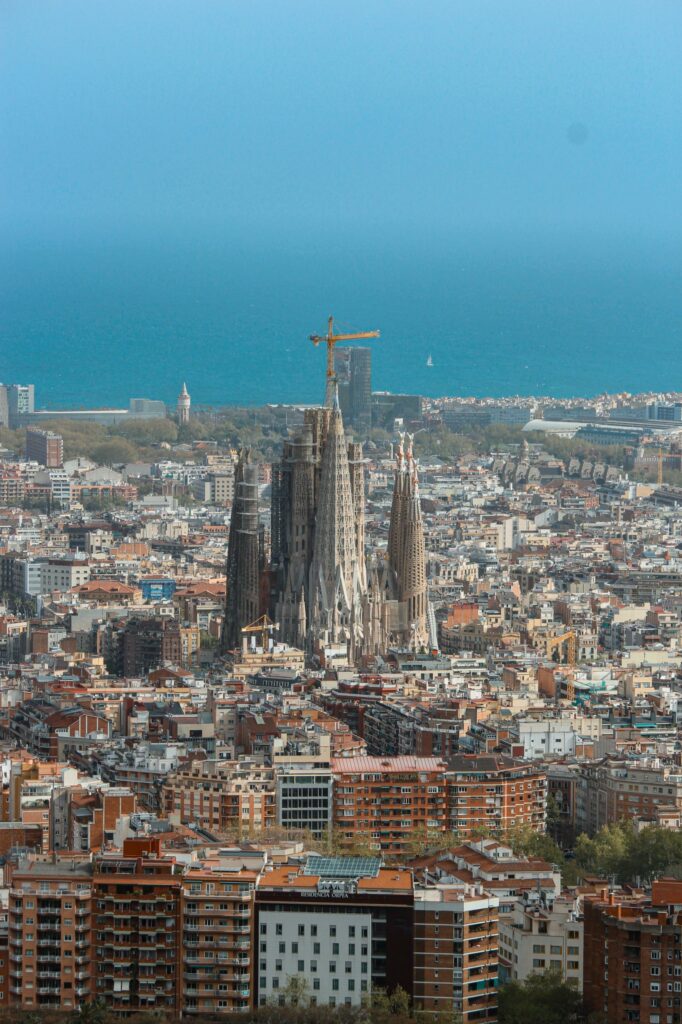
pixel 131 115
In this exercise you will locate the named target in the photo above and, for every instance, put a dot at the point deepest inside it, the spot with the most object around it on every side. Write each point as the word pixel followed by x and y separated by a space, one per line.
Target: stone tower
pixel 242 604
pixel 184 402
pixel 295 492
pixel 406 549
pixel 337 581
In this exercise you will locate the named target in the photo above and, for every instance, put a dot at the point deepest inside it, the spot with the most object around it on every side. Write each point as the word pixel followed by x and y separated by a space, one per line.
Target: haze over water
pixel 187 190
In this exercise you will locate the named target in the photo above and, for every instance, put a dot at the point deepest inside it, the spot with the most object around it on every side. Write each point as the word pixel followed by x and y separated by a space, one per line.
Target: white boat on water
pixel 429 361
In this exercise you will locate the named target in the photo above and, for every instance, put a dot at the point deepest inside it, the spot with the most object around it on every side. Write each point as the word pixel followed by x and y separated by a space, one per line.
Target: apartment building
pixel 50 934
pixel 494 866
pixel 44 447
pixel 388 800
pixel 495 792
pixel 217 938
pixel 137 931
pixel 49 732
pixel 222 795
pixel 544 932
pixel 304 796
pixel 632 955
pixel 456 952
pixel 616 788
pixel 344 924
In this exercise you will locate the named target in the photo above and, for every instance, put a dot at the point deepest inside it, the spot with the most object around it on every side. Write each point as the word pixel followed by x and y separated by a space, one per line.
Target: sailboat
pixel 429 361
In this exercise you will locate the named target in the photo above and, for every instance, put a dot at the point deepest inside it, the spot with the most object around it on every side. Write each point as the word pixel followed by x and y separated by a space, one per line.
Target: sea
pixel 96 318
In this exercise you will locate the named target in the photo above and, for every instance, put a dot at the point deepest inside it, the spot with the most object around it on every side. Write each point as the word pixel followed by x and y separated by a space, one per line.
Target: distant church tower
pixel 184 402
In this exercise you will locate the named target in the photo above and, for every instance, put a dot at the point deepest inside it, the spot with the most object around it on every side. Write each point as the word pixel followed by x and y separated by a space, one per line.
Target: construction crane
pixel 332 341
pixel 262 628
pixel 659 475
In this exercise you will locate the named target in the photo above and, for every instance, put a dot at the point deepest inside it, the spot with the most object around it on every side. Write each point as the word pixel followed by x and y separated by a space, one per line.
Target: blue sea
pixel 98 319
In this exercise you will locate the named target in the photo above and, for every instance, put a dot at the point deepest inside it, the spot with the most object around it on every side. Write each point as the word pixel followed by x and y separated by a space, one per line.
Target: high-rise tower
pixel 242 604
pixel 184 402
pixel 354 373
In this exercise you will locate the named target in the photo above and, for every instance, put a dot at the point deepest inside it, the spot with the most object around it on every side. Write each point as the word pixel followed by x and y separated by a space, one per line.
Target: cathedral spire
pixel 242 603
pixel 334 579
pixel 406 547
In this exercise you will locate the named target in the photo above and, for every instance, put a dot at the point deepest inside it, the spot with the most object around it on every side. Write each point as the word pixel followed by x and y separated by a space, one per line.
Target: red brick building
pixel 387 800
pixel 495 792
pixel 632 955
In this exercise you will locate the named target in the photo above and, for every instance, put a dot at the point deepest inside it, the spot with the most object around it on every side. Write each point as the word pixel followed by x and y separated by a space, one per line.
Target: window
pixel 351 931
pixel 335 984
pixel 555 950
pixel 313 930
pixel 316 984
pixel 349 967
pixel 301 967
pixel 316 947
pixel 332 931
pixel 278 929
pixel 282 947
pixel 301 929
pixel 313 966
pixel 335 948
pixel 278 965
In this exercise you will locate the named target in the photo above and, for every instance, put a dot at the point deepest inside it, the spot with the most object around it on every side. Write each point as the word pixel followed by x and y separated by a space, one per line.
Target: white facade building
pixel 332 950
pixel 542 934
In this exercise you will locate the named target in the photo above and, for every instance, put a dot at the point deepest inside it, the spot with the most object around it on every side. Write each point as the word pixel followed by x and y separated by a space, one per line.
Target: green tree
pixel 115 452
pixel 146 432
pixel 541 999
pixel 296 992
pixel 94 1012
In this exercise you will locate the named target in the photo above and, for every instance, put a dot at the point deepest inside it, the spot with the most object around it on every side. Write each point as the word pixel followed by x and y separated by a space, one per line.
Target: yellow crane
pixel 262 629
pixel 332 341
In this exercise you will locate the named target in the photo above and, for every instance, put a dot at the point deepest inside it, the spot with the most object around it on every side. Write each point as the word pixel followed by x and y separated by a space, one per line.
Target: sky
pixel 184 183
pixel 295 117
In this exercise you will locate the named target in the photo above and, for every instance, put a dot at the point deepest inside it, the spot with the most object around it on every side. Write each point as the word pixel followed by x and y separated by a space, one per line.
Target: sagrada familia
pixel 322 589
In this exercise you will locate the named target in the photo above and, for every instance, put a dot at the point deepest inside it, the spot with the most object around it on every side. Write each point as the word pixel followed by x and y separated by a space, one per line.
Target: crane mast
pixel 332 341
